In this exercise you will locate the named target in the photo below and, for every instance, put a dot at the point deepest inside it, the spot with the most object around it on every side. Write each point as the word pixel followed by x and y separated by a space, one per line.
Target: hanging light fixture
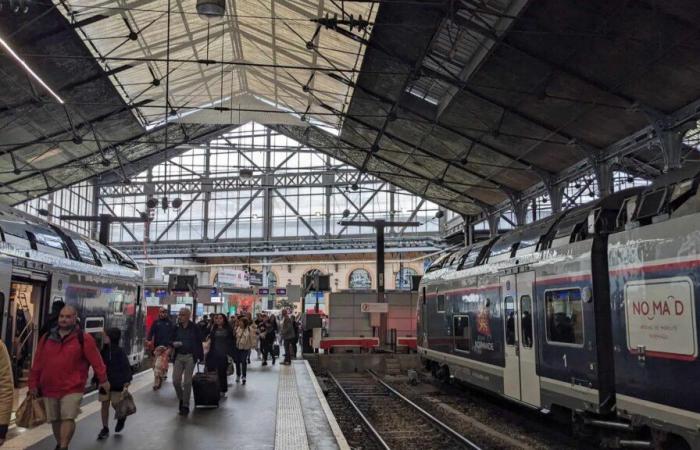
pixel 211 10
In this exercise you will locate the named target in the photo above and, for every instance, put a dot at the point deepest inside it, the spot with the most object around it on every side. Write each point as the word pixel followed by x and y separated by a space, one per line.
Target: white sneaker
pixel 238 379
pixel 243 380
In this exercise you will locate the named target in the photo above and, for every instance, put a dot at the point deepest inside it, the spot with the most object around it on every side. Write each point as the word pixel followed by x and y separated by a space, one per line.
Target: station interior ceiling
pixel 477 109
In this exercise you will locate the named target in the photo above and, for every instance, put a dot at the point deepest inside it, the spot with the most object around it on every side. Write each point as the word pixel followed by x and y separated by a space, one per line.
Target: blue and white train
pixel 591 312
pixel 41 263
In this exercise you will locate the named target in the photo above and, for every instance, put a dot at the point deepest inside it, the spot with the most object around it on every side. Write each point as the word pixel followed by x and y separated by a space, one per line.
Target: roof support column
pixel 206 187
pixel 493 220
pixel 556 196
pixel 519 210
pixel 468 224
pixel 670 142
pixel 603 176
pixel 95 207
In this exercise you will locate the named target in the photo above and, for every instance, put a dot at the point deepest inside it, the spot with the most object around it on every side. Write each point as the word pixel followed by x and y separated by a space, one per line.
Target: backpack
pixel 247 340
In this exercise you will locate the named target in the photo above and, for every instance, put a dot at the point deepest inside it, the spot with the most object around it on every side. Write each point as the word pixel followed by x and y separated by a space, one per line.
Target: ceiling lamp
pixel 211 9
pixel 246 174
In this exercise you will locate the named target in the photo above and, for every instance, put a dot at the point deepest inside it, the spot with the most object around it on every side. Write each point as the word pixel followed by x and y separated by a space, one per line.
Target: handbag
pixel 125 407
pixel 31 413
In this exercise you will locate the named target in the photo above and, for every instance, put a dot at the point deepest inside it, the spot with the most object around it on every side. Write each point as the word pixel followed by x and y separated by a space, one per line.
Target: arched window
pixel 403 278
pixel 360 279
pixel 271 280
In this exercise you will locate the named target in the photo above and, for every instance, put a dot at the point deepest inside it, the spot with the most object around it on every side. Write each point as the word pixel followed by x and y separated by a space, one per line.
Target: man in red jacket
pixel 60 372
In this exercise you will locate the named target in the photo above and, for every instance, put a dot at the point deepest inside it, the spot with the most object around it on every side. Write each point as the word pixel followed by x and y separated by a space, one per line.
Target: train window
pixel 84 251
pixel 94 324
pixel 526 320
pixel 441 303
pixel 462 334
pixel 510 320
pixel 564 316
pixel 463 259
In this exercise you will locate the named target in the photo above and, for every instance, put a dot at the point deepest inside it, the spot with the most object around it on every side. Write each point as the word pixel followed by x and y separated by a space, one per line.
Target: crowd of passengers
pixel 65 353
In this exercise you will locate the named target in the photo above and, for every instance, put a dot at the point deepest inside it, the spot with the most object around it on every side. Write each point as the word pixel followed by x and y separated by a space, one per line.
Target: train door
pixel 529 380
pixel 520 379
pixel 511 372
pixel 5 274
pixel 25 310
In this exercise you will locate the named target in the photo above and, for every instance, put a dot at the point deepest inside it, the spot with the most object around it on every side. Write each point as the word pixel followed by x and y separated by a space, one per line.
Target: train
pixel 590 315
pixel 41 263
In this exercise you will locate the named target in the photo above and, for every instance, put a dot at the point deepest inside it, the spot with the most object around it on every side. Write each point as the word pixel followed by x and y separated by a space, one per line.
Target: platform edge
pixel 330 417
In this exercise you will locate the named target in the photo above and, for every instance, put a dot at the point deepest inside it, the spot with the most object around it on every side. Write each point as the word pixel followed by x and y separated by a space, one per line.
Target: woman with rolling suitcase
pixel 221 347
pixel 245 341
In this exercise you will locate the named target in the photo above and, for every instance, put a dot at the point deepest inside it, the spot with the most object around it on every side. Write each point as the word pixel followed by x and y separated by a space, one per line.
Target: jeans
pixel 288 344
pixel 241 368
pixel 182 378
pixel 266 349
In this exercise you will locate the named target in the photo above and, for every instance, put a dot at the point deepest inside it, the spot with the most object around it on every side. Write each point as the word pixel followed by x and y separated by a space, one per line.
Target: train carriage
pixel 41 264
pixel 591 311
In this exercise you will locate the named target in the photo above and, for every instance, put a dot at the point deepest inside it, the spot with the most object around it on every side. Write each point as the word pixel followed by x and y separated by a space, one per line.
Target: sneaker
pixel 238 378
pixel 104 432
pixel 184 411
pixel 264 363
pixel 243 380
pixel 120 425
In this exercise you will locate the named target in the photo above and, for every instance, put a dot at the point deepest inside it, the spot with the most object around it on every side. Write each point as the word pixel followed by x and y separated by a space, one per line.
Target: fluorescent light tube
pixel 29 70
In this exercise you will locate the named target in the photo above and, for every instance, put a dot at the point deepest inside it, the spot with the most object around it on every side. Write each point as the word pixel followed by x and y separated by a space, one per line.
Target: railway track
pixel 392 420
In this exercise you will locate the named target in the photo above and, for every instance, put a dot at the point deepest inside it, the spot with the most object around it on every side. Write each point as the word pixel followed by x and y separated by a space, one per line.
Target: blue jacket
pixel 161 332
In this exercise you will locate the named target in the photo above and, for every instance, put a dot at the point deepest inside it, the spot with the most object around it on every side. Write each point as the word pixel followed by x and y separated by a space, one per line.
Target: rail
pixel 357 410
pixel 426 414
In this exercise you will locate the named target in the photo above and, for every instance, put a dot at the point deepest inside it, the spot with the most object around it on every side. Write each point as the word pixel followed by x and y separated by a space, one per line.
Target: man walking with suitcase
pixel 187 342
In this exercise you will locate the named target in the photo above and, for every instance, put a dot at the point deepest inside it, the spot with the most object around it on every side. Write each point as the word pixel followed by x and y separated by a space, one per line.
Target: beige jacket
pixel 6 385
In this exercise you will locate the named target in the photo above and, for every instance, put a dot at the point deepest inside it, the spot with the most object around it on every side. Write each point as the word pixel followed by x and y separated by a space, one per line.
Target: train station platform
pixel 280 407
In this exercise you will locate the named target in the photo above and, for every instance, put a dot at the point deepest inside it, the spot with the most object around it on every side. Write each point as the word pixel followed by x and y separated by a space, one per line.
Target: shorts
pixel 64 408
pixel 113 397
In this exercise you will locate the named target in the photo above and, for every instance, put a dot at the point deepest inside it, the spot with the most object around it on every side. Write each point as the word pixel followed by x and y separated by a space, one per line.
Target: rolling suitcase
pixel 205 387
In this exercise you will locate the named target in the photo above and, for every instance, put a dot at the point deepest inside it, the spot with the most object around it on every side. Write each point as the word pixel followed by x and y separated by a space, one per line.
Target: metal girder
pixel 228 184
pixel 413 215
pixel 120 223
pixel 357 208
pixel 277 247
pixel 299 216
pixel 362 208
pixel 484 50
pixel 506 189
pixel 238 214
pixel 179 215
pixel 478 203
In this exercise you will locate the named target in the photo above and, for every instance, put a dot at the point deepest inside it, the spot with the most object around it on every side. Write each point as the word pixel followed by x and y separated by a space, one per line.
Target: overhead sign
pixel 232 278
pixel 281 291
pixel 255 279
pixel 374 307
pixel 661 318
pixel 263 291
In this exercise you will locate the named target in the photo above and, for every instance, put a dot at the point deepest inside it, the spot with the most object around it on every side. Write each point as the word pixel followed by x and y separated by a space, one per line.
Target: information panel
pixel 661 317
